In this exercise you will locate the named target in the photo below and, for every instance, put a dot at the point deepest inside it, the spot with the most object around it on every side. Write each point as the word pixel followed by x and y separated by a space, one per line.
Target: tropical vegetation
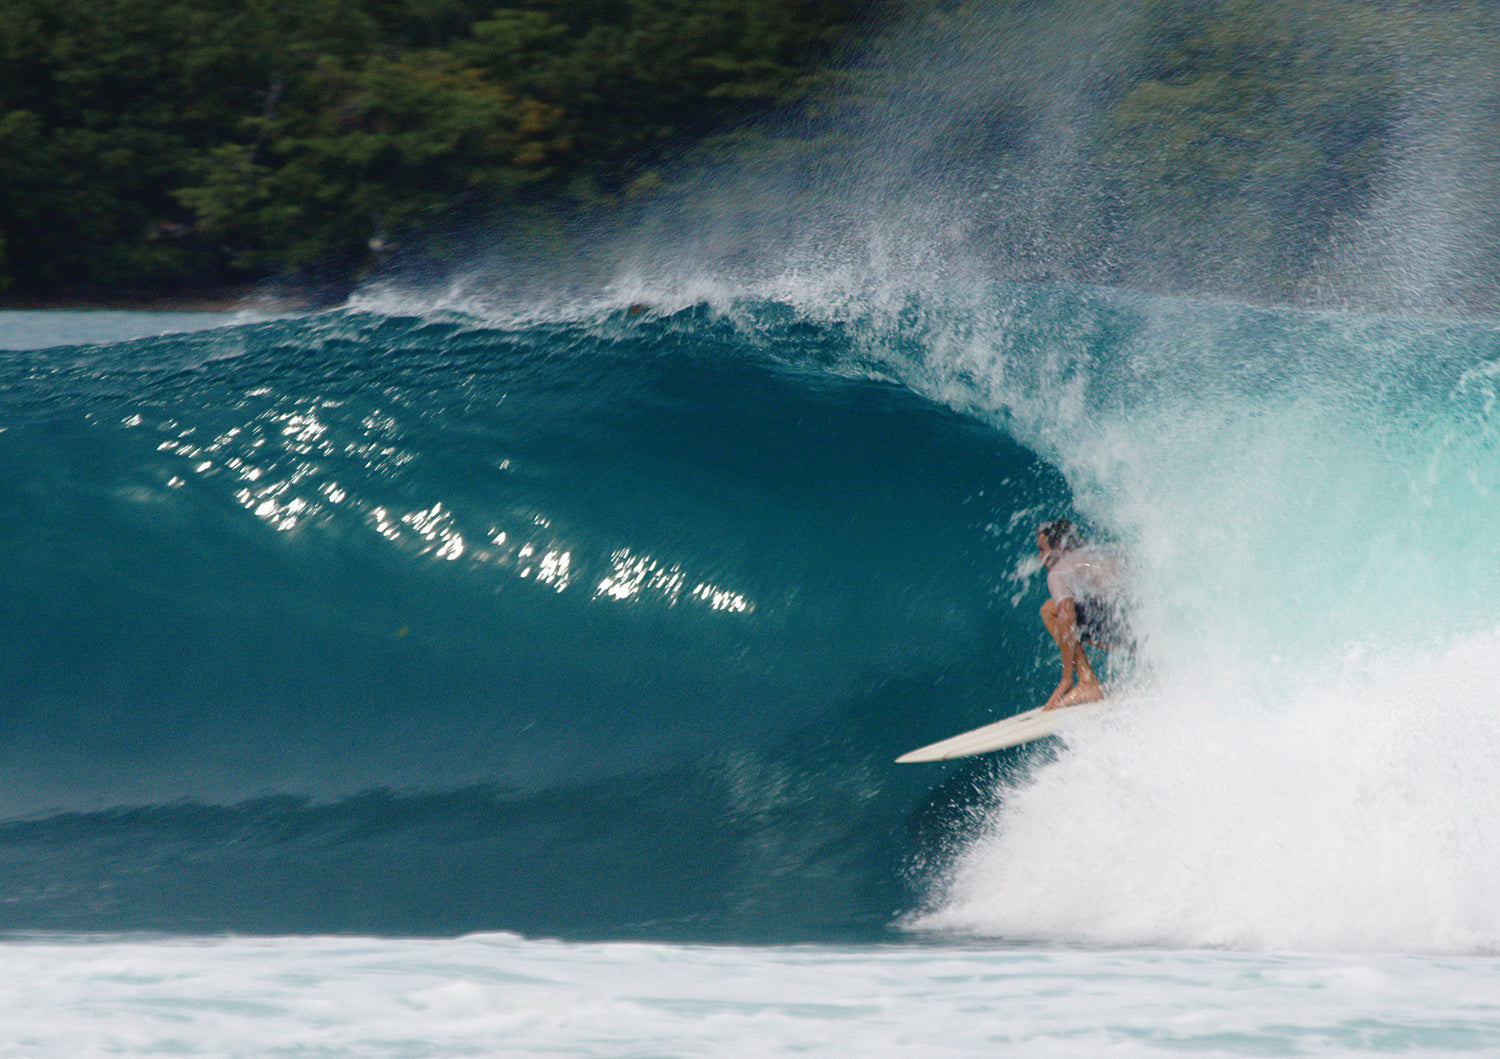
pixel 148 145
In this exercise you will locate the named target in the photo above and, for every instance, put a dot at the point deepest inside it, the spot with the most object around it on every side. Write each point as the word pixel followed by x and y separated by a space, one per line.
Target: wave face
pixel 610 625
pixel 418 624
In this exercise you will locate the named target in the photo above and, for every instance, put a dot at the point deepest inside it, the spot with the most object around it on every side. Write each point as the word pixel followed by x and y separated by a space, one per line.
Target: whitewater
pixel 502 995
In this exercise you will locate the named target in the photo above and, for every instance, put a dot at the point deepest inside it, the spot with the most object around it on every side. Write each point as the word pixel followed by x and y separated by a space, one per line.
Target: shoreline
pixel 228 301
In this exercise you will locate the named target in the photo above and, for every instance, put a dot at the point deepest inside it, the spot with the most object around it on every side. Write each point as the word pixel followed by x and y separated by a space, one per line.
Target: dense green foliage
pixel 148 145
pixel 150 140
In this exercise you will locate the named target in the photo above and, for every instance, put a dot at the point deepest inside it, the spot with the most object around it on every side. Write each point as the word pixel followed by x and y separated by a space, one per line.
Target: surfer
pixel 1083 581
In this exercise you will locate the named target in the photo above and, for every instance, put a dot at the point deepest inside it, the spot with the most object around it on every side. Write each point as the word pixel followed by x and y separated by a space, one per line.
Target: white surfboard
pixel 1013 731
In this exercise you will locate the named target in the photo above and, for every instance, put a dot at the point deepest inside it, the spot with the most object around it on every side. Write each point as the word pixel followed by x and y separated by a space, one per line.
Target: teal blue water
pixel 610 624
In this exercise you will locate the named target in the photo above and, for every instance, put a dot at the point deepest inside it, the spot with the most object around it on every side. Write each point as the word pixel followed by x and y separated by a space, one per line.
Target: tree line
pixel 148 143
pixel 151 144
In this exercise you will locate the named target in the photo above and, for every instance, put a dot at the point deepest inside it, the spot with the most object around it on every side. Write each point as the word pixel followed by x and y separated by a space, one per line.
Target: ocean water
pixel 417 678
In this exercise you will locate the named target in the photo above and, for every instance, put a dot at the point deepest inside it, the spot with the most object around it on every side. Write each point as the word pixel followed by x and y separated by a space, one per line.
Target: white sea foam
pixel 1360 818
pixel 503 995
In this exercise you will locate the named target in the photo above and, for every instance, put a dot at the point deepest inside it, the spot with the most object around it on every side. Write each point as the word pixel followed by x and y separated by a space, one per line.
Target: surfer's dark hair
pixel 1061 533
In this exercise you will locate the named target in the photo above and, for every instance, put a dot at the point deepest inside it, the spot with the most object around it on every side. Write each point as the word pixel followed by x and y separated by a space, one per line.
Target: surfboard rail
pixel 998 735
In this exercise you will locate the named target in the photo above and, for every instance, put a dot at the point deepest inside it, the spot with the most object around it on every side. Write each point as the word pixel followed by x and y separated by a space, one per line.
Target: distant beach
pixel 255 298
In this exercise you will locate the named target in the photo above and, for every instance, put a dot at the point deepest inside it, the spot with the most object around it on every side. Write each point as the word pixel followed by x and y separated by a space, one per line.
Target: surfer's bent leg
pixel 1054 620
pixel 1061 619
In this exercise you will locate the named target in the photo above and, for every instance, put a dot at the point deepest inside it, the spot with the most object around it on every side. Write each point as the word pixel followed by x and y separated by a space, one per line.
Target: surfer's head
pixel 1059 535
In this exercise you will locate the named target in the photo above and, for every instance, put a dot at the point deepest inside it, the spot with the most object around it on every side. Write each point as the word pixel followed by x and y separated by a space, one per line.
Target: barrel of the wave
pixel 598 626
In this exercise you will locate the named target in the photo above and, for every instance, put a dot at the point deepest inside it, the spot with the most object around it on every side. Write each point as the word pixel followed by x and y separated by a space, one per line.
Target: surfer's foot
pixel 1081 694
pixel 1056 698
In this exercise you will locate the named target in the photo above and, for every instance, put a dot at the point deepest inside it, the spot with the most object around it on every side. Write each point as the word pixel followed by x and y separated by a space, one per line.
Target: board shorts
pixel 1101 622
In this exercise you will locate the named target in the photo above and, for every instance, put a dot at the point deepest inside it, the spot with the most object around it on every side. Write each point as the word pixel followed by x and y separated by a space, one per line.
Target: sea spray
pixel 1308 501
